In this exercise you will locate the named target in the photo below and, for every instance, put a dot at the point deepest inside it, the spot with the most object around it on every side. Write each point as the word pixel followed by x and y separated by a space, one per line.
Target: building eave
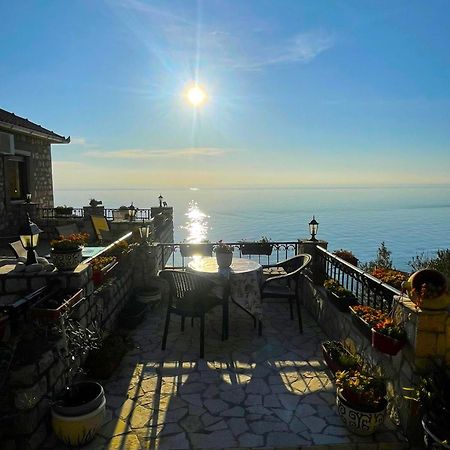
pixel 52 138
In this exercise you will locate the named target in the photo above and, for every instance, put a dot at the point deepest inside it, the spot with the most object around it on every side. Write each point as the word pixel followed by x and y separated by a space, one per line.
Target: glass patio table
pixel 245 277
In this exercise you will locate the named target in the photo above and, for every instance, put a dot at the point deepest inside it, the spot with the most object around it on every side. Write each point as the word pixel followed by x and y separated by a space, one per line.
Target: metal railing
pixel 172 256
pixel 143 214
pixel 369 291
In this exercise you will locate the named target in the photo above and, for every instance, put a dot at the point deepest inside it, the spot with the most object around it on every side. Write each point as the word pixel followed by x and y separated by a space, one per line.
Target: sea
pixel 409 220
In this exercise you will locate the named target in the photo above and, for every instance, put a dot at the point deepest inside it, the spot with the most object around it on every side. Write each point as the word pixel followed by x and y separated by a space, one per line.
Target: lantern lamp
pixel 29 237
pixel 28 197
pixel 132 212
pixel 160 198
pixel 313 228
pixel 144 231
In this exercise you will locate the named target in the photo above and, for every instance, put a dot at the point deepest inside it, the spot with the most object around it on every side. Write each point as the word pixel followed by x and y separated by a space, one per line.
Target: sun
pixel 196 96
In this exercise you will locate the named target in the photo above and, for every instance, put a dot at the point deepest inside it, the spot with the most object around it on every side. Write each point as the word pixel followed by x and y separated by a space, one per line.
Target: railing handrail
pixel 286 247
pixel 368 289
pixel 108 247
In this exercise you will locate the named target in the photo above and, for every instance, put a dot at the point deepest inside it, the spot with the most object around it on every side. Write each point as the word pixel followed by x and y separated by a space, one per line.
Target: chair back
pixel 18 249
pixel 296 264
pixel 181 282
pixel 99 224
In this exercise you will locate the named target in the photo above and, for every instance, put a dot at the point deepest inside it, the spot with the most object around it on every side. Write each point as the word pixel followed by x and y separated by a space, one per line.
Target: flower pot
pixel 79 399
pixel 50 308
pixel 99 276
pixel 334 364
pixel 360 420
pixel 256 248
pixel 224 260
pixel 441 298
pixel 361 324
pixel 66 260
pixel 78 430
pixel 132 314
pixel 386 344
pixel 150 296
pixel 431 438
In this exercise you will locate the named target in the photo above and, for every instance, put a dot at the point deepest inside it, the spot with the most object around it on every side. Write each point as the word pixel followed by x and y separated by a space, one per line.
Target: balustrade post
pixel 318 264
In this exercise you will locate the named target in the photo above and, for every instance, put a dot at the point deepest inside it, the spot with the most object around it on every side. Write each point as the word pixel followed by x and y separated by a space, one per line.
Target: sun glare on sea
pixel 196 96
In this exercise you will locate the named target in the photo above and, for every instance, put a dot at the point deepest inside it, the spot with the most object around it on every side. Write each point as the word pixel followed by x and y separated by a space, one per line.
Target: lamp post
pixel 313 228
pixel 160 198
pixel 132 212
pixel 29 237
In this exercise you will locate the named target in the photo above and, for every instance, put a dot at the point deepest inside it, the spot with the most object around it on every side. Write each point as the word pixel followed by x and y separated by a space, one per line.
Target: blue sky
pixel 300 92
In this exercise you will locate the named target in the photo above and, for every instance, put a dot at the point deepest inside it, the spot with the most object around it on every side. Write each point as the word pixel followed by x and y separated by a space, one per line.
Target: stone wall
pixel 31 387
pixel 40 183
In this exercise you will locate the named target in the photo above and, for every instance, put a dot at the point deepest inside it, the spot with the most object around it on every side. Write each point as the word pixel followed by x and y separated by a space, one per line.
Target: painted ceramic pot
pixel 66 260
pixel 224 260
pixel 356 419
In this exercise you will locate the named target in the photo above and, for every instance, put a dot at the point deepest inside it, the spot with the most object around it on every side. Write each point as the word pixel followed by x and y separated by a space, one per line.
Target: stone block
pixel 425 344
pixel 433 321
pixel 35 440
pixel 23 376
pixel 441 344
pixel 27 398
pixel 14 285
pixel 45 361
pixel 26 422
pixel 37 282
pixel 55 372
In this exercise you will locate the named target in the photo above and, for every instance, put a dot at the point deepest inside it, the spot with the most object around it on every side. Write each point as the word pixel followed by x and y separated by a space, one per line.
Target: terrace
pixel 250 391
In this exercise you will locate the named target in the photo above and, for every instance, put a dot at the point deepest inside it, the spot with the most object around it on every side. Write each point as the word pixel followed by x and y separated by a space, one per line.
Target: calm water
pixel 410 220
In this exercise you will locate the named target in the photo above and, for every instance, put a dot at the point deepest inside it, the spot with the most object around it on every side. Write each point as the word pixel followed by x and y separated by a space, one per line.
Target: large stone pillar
pixel 317 265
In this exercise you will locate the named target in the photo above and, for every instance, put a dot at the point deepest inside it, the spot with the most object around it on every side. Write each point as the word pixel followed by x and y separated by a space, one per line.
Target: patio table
pixel 245 277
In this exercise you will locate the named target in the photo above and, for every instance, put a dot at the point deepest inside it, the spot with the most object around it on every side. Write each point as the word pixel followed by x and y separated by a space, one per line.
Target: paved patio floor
pixel 272 391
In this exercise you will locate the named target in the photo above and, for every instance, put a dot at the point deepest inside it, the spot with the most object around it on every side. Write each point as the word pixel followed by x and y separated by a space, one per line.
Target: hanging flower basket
pixel 53 305
pixel 337 357
pixel 386 344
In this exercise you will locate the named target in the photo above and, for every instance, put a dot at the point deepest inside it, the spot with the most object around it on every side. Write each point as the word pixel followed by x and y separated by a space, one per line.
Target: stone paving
pixel 249 392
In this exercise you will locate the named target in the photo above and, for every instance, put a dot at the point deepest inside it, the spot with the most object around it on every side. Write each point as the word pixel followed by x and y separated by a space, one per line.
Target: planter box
pixel 100 276
pixel 255 248
pixel 43 310
pixel 187 250
pixel 361 324
pixel 333 364
pixel 342 303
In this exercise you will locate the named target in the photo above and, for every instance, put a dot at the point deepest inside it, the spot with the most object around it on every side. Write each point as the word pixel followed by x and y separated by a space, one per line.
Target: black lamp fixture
pixel 28 198
pixel 29 237
pixel 144 231
pixel 160 198
pixel 313 228
pixel 132 212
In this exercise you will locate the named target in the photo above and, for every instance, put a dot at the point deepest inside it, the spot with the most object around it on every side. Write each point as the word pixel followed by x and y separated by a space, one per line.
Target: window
pixel 17 178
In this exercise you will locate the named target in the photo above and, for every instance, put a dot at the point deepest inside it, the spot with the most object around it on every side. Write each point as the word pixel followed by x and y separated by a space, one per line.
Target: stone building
pixel 25 169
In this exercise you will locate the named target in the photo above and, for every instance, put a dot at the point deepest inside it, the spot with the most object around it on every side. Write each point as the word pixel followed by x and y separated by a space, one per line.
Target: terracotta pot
pixel 440 301
pixel 357 419
pixel 386 344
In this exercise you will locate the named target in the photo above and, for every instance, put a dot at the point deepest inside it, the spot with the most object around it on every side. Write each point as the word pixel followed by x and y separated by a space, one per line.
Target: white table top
pixel 208 264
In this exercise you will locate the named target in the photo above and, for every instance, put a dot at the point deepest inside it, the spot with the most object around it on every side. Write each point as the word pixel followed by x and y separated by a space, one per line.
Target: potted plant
pixel 394 278
pixel 347 256
pixel 63 211
pixel 224 254
pixel 342 298
pixel 432 394
pixel 261 247
pixel 338 358
pixel 388 337
pixel 360 400
pixel 55 303
pixel 132 314
pixel 66 250
pixel 365 317
pixel 428 289
pixel 102 266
